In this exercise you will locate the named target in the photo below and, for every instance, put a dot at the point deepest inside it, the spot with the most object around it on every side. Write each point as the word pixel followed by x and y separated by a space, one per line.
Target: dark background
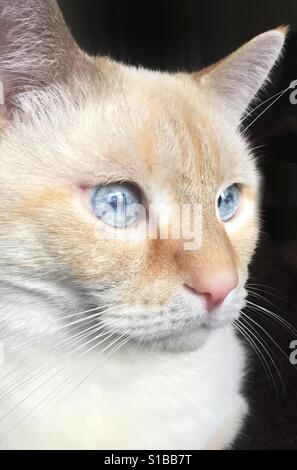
pixel 187 35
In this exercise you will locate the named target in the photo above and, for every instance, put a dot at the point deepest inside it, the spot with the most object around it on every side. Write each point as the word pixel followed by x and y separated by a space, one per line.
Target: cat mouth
pixel 162 324
pixel 185 334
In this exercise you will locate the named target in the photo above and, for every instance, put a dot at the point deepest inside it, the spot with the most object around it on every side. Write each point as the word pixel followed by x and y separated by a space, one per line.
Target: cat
pixel 111 341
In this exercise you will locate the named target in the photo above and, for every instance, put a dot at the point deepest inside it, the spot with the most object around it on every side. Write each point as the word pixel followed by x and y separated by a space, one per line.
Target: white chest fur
pixel 145 400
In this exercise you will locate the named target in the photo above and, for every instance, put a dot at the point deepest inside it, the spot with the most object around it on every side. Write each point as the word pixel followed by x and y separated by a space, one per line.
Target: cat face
pixel 100 130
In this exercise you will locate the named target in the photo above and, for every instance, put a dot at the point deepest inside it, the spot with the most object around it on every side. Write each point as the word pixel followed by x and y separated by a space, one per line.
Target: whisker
pixel 32 411
pixel 264 111
pixel 9 391
pixel 270 314
pixel 85 320
pixel 241 328
pixel 262 297
pixel 58 389
pixel 267 287
pixel 266 101
pixel 265 290
pixel 83 312
pixel 266 348
pixel 267 334
pixel 54 348
pixel 44 383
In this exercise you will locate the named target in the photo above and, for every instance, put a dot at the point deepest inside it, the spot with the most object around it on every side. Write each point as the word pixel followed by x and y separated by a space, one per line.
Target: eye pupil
pixel 118 200
pixel 116 204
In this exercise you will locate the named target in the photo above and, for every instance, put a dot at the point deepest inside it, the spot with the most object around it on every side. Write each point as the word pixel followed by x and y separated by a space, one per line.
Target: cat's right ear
pixel 237 79
pixel 36 50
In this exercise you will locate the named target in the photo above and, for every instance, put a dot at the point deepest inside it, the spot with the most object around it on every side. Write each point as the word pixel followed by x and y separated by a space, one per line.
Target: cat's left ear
pixel 237 79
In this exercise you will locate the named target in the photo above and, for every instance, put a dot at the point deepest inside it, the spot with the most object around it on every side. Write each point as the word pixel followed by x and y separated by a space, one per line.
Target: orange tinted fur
pixel 77 123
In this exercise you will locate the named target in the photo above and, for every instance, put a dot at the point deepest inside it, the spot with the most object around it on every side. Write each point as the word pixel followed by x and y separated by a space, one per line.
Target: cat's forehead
pixel 180 136
pixel 153 129
pixel 167 116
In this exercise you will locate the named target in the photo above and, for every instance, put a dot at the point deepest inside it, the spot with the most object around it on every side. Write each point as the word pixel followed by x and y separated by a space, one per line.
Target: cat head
pixel 91 150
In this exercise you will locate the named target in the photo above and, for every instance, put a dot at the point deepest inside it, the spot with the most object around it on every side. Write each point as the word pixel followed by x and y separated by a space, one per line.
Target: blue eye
pixel 228 202
pixel 117 205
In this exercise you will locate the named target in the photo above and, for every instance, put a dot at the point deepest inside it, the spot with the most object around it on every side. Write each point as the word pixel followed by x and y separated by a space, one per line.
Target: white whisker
pixel 7 392
pixel 265 347
pixel 264 111
pixel 248 335
pixel 270 314
pixel 32 411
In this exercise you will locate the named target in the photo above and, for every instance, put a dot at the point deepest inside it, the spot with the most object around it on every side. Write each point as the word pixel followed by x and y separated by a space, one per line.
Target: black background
pixel 187 35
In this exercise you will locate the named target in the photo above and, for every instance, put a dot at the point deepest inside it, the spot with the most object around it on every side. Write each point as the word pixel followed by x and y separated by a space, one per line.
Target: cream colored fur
pixel 70 123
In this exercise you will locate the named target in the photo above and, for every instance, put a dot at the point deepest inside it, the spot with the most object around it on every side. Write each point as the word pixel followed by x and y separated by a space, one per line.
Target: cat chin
pixel 190 341
pixel 187 340
pixel 178 333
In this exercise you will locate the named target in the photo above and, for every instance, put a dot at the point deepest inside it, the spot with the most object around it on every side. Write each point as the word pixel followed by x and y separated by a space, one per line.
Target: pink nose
pixel 214 288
